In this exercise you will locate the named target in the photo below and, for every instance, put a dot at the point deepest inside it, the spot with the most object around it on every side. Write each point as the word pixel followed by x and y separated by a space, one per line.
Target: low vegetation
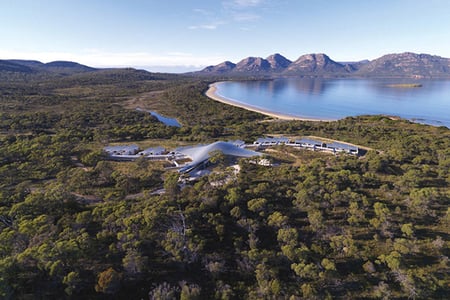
pixel 315 226
pixel 405 85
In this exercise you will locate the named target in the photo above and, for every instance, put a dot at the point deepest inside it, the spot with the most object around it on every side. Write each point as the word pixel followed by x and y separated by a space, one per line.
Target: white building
pixel 271 141
pixel 122 150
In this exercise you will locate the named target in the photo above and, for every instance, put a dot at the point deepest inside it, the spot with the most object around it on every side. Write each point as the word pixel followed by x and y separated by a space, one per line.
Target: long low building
pixel 131 152
pixel 307 143
pixel 335 147
pixel 200 154
pixel 271 141
pixel 122 150
pixel 152 151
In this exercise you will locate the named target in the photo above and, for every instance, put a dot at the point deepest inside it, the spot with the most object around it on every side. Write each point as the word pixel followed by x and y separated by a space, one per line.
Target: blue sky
pixel 189 34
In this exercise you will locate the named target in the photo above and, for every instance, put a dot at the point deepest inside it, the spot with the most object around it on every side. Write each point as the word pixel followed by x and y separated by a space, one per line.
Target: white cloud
pixel 202 11
pixel 244 3
pixel 209 26
pixel 235 11
pixel 246 17
pixel 181 54
pixel 205 26
pixel 244 10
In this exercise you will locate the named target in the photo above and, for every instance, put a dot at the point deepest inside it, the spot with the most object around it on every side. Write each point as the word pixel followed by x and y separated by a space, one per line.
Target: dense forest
pixel 74 225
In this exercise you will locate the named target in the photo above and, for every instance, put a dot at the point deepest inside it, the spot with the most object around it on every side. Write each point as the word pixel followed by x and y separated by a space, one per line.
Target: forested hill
pixel 30 71
pixel 60 74
pixel 32 66
pixel 74 225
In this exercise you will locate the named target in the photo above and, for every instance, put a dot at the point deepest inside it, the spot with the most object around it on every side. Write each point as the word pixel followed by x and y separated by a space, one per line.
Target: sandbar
pixel 212 93
pixel 405 85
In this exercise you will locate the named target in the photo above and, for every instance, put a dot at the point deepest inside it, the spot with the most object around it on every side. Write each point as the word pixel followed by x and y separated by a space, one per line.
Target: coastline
pixel 212 94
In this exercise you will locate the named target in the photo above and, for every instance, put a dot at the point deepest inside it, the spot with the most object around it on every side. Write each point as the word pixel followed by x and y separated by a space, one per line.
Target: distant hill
pixel 353 66
pixel 407 64
pixel 278 62
pixel 392 65
pixel 33 66
pixel 113 76
pixel 11 66
pixel 224 67
pixel 67 67
pixel 252 64
pixel 315 64
pixel 68 72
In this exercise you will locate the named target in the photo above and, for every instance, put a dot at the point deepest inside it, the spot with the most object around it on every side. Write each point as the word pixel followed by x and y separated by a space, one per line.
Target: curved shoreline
pixel 212 94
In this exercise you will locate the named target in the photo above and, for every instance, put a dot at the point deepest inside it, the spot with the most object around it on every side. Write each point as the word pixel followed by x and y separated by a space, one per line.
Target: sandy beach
pixel 212 93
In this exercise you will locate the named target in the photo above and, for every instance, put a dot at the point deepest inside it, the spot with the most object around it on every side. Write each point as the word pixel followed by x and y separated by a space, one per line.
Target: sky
pixel 183 35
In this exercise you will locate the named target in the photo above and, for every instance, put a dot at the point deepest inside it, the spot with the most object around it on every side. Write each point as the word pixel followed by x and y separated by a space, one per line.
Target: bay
pixel 422 101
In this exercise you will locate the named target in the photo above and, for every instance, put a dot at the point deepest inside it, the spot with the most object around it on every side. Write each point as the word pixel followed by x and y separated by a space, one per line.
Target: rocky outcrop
pixel 315 64
pixel 407 64
pixel 224 67
pixel 278 63
pixel 252 64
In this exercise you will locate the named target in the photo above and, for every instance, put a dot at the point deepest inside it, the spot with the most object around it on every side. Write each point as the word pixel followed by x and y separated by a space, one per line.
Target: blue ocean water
pixel 333 99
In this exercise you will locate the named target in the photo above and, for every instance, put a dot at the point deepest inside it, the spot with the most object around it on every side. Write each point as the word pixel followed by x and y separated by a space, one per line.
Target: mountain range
pixel 405 64
pixel 391 65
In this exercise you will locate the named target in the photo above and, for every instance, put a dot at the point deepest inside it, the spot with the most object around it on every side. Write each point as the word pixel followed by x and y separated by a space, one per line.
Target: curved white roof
pixel 201 153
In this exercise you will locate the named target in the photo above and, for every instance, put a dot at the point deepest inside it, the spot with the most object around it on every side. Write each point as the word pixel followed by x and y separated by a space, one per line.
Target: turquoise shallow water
pixel 338 98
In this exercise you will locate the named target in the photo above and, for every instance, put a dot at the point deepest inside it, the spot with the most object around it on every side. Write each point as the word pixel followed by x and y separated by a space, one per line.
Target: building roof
pixel 308 141
pixel 153 151
pixel 343 146
pixel 122 148
pixel 238 143
pixel 272 140
pixel 200 154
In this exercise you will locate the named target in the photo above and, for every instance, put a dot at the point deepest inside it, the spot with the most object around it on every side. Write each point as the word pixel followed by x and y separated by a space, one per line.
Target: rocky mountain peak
pixel 278 62
pixel 251 64
pixel 319 59
pixel 407 63
pixel 226 66
pixel 316 64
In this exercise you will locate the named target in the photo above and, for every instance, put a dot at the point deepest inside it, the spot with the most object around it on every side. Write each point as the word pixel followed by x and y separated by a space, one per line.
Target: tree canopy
pixel 312 226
